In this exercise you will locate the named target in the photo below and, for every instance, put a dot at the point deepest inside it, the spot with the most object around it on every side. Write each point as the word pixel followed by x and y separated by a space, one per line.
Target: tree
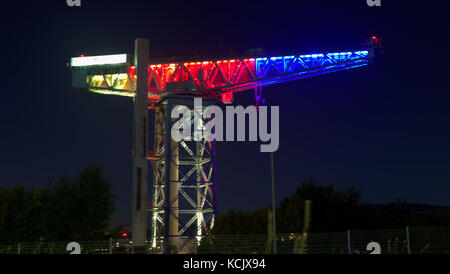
pixel 239 222
pixel 333 209
pixel 80 208
pixel 65 210
pixel 20 214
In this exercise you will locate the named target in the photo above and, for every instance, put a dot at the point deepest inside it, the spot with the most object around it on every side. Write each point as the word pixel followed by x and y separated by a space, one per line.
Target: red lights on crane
pixel 227 97
pixel 375 41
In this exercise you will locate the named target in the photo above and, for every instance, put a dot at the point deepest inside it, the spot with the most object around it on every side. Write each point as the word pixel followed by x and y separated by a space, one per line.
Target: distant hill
pixel 419 209
pixel 413 214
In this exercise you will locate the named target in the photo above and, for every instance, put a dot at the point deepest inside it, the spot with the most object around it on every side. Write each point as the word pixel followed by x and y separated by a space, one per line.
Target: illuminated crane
pixel 183 206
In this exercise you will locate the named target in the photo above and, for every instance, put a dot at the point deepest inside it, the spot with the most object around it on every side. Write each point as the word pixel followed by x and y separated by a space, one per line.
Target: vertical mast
pixel 140 144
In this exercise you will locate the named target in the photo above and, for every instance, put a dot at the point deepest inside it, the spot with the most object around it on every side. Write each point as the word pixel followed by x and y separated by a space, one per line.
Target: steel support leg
pixel 140 144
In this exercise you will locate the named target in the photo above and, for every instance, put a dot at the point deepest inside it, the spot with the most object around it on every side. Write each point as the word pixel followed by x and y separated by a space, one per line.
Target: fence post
pixel 110 245
pixel 407 240
pixel 18 248
pixel 349 243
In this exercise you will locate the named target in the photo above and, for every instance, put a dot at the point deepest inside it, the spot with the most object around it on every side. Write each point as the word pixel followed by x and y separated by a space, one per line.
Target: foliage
pixel 240 222
pixel 64 210
pixel 332 207
pixel 334 210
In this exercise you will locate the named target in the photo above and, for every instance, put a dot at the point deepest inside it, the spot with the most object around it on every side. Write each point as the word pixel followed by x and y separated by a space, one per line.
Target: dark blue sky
pixel 384 127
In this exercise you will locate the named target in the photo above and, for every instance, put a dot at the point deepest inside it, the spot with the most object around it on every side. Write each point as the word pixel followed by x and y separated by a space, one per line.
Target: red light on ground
pixel 82 55
pixel 373 38
pixel 124 234
pixel 76 236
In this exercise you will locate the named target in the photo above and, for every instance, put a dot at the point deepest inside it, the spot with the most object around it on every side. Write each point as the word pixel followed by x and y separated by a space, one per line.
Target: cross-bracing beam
pixel 183 206
pixel 219 79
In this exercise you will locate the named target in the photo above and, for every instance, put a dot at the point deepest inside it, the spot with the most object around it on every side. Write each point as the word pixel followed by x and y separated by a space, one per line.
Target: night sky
pixel 383 127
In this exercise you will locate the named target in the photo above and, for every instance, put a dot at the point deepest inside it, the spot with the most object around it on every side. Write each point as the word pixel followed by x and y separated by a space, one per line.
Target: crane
pixel 183 205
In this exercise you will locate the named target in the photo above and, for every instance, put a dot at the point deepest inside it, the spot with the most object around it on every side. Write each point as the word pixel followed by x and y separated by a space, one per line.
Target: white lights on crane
pixel 98 60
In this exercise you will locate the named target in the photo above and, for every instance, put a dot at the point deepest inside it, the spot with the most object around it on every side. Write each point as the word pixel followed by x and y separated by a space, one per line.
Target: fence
pixel 395 241
pixel 101 247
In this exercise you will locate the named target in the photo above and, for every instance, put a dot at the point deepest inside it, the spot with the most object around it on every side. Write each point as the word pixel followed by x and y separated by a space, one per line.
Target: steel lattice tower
pixel 187 206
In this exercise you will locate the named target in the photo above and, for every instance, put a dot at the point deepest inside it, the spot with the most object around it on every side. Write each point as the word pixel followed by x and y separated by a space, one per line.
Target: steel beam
pixel 140 144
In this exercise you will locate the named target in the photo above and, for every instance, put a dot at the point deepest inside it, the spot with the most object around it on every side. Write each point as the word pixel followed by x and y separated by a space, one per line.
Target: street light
pixel 273 205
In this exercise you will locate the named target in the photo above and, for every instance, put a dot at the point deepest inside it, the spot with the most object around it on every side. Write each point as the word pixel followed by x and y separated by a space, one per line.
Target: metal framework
pixel 221 78
pixel 183 204
pixel 183 190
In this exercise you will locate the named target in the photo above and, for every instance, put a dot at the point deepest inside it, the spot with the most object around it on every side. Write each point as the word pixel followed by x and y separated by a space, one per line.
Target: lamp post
pixel 272 171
